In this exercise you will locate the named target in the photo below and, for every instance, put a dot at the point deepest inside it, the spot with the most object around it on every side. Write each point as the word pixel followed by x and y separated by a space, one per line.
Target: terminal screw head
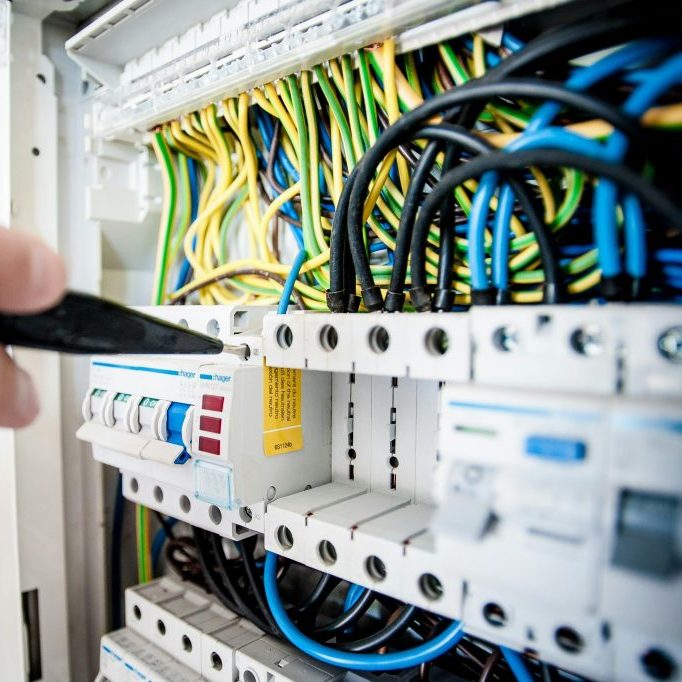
pixel 670 344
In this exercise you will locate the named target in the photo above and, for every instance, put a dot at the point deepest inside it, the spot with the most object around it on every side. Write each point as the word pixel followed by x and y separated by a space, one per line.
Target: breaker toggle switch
pixel 153 418
pixel 126 412
pixel 179 424
pixel 98 406
pixel 647 532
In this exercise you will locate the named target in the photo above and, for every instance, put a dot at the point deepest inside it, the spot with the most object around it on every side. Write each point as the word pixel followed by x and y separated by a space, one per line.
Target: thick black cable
pixel 407 127
pixel 504 161
pixel 395 297
pixel 215 585
pixel 223 570
pixel 467 141
pixel 246 548
pixel 167 528
pixel 115 580
pixel 444 296
pixel 385 635
pixel 311 604
pixel 347 618
pixel 574 40
pixel 339 260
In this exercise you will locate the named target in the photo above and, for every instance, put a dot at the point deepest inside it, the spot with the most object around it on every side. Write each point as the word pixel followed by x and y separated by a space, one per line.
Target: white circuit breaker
pixel 247 433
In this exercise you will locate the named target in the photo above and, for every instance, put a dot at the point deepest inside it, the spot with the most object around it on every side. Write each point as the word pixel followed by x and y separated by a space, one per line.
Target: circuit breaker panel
pixel 447 237
pixel 548 471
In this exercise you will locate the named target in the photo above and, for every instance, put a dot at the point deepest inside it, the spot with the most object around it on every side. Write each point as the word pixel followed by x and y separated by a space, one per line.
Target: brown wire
pixel 391 618
pixel 257 272
pixel 275 239
pixel 444 75
pixel 490 665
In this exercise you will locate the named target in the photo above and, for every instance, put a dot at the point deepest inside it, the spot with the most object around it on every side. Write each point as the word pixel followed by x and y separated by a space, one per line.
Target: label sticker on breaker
pixel 282 429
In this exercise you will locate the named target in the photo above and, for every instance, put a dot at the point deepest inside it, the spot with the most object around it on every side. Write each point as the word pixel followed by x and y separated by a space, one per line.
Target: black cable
pixel 223 569
pixel 385 635
pixel 466 140
pixel 167 528
pixel 115 581
pixel 340 261
pixel 490 665
pixel 444 296
pixel 395 297
pixel 246 548
pixel 574 40
pixel 181 557
pixel 407 126
pixel 205 561
pixel 347 618
pixel 308 608
pixel 504 161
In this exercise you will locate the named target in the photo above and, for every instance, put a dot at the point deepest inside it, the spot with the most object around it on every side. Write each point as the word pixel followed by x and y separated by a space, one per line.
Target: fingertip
pixel 33 276
pixel 47 276
pixel 20 398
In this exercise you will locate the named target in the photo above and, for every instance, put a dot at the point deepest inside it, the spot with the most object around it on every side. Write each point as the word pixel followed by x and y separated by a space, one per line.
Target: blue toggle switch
pixel 556 449
pixel 174 421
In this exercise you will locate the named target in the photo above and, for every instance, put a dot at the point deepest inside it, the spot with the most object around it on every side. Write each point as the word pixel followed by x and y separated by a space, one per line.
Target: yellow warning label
pixel 282 429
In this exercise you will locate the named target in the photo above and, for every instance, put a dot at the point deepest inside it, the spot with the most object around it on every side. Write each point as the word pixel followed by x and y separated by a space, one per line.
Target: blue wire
pixel 580 80
pixel 280 167
pixel 511 42
pixel 290 282
pixel 491 59
pixel 555 138
pixel 344 659
pixel 606 194
pixel 158 542
pixel 516 664
pixel 673 271
pixel 193 170
pixel 669 255
pixel 352 595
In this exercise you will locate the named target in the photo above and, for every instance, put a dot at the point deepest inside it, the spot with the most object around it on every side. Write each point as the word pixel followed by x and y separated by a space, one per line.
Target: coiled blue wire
pixel 344 659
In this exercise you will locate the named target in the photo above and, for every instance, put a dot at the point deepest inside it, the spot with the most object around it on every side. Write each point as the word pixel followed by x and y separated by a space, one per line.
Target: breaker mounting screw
pixel 670 344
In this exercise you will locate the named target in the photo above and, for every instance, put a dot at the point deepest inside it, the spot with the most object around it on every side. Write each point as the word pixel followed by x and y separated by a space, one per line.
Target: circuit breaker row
pixel 557 451
pixel 177 633
pixel 635 350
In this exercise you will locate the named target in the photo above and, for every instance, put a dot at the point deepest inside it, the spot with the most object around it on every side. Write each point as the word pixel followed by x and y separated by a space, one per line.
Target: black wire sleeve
pixel 444 296
pixel 395 297
pixel 306 611
pixel 340 260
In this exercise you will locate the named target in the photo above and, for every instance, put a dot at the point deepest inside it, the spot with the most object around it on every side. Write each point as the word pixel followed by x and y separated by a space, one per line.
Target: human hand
pixel 31 279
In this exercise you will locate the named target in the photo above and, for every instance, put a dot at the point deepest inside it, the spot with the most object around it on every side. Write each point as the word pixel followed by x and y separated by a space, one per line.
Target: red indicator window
pixel 214 403
pixel 210 424
pixel 209 445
